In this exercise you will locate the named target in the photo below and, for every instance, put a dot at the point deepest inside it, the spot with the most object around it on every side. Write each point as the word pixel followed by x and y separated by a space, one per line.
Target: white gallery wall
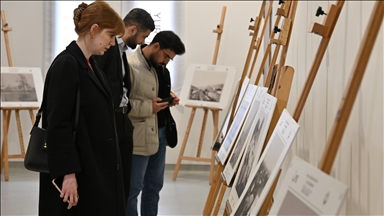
pixel 359 162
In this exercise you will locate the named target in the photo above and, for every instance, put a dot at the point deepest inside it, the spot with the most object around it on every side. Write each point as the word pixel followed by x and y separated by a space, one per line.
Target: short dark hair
pixel 169 40
pixel 140 18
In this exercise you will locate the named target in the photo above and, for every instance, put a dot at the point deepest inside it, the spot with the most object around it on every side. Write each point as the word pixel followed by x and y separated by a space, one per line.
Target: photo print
pixel 21 86
pixel 208 85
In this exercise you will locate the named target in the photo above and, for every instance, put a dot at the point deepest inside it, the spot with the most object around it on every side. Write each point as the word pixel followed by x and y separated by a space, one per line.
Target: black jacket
pixel 110 63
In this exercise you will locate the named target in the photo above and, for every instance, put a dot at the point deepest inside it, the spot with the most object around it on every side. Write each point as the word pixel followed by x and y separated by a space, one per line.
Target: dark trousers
pixel 125 134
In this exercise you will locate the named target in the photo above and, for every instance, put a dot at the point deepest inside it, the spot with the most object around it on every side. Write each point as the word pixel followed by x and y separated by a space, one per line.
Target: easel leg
pixel 220 199
pixel 4 152
pixel 177 167
pixel 20 132
pixel 214 190
pixel 215 116
pixel 202 133
pixel 32 116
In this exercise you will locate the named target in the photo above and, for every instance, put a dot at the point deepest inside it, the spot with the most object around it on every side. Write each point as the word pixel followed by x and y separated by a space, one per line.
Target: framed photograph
pixel 244 136
pixel 306 190
pixel 236 125
pixel 208 85
pixel 263 176
pixel 21 86
pixel 223 130
pixel 253 149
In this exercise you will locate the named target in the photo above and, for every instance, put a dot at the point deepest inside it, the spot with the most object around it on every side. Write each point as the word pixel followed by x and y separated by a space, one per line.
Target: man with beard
pixel 150 83
pixel 138 25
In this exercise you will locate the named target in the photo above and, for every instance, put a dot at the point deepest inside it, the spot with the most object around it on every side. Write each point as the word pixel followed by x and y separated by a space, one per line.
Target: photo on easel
pixel 21 87
pixel 244 136
pixel 224 127
pixel 267 168
pixel 223 130
pixel 208 85
pixel 253 149
pixel 236 125
pixel 306 190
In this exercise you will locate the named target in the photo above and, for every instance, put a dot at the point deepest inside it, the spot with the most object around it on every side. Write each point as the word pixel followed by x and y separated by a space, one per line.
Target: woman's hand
pixel 69 190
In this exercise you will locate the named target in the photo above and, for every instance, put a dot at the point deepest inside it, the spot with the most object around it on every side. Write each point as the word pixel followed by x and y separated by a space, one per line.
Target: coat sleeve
pixel 61 101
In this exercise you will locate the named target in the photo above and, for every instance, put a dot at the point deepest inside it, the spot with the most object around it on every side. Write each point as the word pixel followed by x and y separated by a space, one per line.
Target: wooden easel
pixel 221 186
pixel 325 30
pixel 279 77
pixel 329 24
pixel 283 77
pixel 352 87
pixel 254 44
pixel 215 116
pixel 8 110
pixel 282 11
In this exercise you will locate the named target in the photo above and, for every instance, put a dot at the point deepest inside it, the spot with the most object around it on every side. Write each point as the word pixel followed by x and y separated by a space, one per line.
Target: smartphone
pixel 169 100
pixel 57 187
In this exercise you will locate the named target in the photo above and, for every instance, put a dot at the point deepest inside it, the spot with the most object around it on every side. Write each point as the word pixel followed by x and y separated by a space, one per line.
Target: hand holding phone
pixel 168 99
pixel 69 190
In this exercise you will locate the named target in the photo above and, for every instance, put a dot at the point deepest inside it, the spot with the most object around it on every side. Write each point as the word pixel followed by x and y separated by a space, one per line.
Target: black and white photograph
pixel 208 85
pixel 232 133
pixel 17 87
pixel 253 150
pixel 21 86
pixel 249 158
pixel 244 133
pixel 237 124
pixel 273 156
pixel 256 186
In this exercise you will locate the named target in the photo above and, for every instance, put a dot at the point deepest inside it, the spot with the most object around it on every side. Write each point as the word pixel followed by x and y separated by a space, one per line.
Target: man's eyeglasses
pixel 167 57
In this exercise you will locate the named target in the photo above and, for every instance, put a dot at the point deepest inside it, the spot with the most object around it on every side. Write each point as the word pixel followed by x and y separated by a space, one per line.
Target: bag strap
pixel 39 113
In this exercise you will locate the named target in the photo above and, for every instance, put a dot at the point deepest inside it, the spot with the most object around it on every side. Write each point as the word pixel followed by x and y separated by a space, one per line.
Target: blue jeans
pixel 147 176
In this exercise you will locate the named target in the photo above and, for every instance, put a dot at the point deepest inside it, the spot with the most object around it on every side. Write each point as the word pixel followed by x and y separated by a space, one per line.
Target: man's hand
pixel 157 106
pixel 176 99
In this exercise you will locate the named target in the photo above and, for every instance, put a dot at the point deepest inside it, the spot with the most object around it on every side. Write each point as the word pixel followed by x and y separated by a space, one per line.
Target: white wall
pixel 26 43
pixel 359 163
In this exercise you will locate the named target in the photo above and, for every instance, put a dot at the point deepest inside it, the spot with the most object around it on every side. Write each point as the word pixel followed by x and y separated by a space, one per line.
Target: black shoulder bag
pixel 36 158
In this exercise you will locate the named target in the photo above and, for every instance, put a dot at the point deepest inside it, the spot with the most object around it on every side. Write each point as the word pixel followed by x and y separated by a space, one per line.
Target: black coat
pixel 95 157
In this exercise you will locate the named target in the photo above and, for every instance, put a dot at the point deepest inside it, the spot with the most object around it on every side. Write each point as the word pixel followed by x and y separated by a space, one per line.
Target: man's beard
pixel 131 42
pixel 153 61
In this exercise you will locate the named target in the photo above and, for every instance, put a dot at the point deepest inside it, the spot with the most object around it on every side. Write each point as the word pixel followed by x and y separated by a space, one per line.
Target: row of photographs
pixel 250 172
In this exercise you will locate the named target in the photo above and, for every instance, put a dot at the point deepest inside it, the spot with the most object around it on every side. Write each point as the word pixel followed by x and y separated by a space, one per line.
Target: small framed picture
pixel 21 87
pixel 208 85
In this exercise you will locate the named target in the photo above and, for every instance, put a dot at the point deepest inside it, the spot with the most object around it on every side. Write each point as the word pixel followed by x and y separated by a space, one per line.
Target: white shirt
pixel 123 48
